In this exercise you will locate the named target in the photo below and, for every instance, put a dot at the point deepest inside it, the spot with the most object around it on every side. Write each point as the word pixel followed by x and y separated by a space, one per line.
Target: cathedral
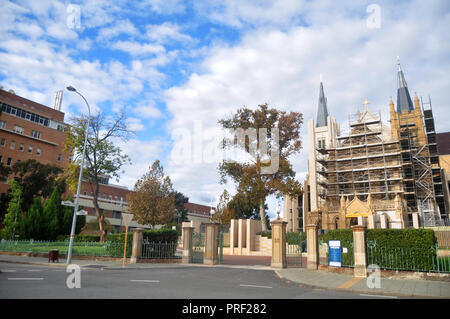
pixel 371 173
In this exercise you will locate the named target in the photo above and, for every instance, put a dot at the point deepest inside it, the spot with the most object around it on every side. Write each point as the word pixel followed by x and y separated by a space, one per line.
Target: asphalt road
pixel 163 282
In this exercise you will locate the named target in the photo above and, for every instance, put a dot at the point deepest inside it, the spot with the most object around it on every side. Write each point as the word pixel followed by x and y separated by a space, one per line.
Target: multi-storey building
pixel 385 176
pixel 29 130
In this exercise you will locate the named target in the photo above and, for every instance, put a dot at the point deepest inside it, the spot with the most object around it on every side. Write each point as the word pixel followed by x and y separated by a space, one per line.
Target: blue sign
pixel 334 253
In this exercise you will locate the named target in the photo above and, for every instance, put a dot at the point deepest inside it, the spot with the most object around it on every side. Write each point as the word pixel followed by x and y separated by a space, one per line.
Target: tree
pixel 153 201
pixel 252 176
pixel 103 158
pixel 37 179
pixel 51 211
pixel 223 213
pixel 180 209
pixel 13 217
pixel 33 225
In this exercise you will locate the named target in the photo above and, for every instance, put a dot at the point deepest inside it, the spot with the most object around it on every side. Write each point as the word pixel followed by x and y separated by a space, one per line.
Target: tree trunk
pixel 262 214
pixel 100 219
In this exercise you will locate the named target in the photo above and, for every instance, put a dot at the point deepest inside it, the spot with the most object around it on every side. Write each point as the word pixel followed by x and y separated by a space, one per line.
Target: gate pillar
pixel 278 244
pixel 312 247
pixel 359 249
pixel 136 252
pixel 211 244
pixel 187 244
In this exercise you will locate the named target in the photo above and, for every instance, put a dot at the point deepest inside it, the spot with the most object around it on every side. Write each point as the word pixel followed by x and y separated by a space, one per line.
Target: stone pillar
pixel 359 249
pixel 312 246
pixel 278 244
pixel 136 252
pixel 187 244
pixel 241 237
pixel 371 220
pixel 415 218
pixel 211 256
pixel 232 234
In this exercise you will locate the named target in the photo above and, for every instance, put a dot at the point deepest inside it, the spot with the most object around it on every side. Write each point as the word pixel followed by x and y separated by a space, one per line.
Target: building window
pixel 115 198
pixel 30 149
pixel 21 147
pixel 1 158
pixel 3 142
pixel 12 145
pixel 59 157
pixel 36 134
pixel 8 162
pixel 2 124
pixel 84 193
pixel 38 151
pixel 18 129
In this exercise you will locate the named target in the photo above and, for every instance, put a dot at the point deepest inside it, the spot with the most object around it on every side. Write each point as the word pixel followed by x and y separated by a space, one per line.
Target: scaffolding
pixel 363 162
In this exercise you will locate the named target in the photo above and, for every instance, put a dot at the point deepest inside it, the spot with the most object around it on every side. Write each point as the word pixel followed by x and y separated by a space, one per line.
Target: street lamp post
pixel 75 210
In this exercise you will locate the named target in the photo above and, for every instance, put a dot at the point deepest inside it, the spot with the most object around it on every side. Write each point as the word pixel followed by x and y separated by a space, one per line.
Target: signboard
pixel 82 212
pixel 68 203
pixel 334 253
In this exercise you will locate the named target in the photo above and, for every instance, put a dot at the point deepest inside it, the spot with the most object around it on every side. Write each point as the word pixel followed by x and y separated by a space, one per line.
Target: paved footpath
pixel 346 282
pixel 297 276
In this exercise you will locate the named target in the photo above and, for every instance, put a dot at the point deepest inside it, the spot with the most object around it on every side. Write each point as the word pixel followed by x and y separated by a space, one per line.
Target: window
pixel 3 142
pixel 84 193
pixel 38 151
pixel 1 158
pixel 18 161
pixel 12 145
pixel 2 124
pixel 36 134
pixel 30 149
pixel 59 157
pixel 18 129
pixel 321 144
pixel 21 147
pixel 8 162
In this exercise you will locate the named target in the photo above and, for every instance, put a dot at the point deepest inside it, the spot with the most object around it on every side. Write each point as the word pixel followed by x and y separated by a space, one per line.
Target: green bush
pixel 162 235
pixel 293 238
pixel 79 238
pixel 267 234
pixel 404 249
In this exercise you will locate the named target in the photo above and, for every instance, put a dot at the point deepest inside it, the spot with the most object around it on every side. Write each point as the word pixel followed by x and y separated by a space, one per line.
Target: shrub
pixel 293 238
pixel 408 249
pixel 267 234
pixel 162 235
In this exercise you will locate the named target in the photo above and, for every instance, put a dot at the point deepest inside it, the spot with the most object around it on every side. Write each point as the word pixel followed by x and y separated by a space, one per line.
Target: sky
pixel 177 67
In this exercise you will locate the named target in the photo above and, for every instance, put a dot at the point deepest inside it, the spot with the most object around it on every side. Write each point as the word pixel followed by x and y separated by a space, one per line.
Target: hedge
pixel 407 249
pixel 293 238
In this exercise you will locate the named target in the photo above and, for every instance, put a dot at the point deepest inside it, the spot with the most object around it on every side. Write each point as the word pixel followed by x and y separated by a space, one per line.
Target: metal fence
pixel 435 259
pixel 105 249
pixel 198 247
pixel 159 250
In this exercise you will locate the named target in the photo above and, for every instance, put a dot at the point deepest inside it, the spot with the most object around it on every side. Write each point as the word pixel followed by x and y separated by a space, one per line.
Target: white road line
pixel 253 286
pixel 25 278
pixel 144 280
pixel 35 269
pixel 8 270
pixel 379 296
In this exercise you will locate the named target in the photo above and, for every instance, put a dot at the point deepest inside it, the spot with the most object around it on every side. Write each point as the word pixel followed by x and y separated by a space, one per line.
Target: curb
pixel 354 290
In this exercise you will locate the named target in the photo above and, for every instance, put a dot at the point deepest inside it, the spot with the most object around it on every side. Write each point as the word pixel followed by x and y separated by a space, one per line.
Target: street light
pixel 75 210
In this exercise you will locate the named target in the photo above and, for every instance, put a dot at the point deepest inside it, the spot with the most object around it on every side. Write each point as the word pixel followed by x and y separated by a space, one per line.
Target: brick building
pixel 29 130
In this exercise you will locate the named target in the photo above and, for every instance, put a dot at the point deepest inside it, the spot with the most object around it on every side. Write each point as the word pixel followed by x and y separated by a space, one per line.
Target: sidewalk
pixel 345 282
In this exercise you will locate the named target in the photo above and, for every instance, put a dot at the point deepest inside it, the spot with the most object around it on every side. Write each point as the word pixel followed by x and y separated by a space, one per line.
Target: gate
pixel 198 248
pixel 220 247
pixel 294 251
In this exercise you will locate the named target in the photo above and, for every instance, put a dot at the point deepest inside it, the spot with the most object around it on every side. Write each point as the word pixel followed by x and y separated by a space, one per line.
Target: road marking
pixel 380 296
pixel 35 269
pixel 8 270
pixel 351 282
pixel 25 278
pixel 142 280
pixel 254 286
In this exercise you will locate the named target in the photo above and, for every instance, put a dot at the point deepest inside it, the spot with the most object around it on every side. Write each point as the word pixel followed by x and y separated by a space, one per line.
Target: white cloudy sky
pixel 179 66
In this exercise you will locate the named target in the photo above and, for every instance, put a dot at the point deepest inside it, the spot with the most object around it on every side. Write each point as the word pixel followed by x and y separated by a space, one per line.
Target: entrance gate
pixel 198 248
pixel 294 251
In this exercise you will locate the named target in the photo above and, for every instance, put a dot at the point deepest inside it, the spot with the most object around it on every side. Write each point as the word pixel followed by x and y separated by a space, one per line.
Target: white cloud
pixel 120 27
pixel 138 49
pixel 167 32
pixel 147 111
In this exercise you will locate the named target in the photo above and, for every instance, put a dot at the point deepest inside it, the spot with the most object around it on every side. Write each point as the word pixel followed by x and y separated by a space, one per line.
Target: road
pixel 160 282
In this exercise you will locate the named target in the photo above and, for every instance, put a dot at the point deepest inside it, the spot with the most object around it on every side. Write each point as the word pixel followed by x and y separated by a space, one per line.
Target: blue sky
pixel 176 66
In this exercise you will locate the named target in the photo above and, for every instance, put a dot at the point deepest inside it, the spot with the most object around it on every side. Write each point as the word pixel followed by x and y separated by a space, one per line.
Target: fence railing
pixel 436 259
pixel 159 250
pixel 99 249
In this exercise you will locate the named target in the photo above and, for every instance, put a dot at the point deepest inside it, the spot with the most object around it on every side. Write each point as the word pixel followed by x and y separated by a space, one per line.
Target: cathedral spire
pixel 403 98
pixel 322 112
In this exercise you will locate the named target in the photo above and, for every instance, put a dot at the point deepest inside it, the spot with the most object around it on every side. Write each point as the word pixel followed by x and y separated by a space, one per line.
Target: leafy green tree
pixel 13 217
pixel 33 225
pixel 251 176
pixel 180 209
pixel 152 201
pixel 103 157
pixel 51 213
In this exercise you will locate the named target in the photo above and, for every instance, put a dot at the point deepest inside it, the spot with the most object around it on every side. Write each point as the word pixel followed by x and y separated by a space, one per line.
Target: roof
pixel 322 112
pixel 404 101
pixel 443 143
